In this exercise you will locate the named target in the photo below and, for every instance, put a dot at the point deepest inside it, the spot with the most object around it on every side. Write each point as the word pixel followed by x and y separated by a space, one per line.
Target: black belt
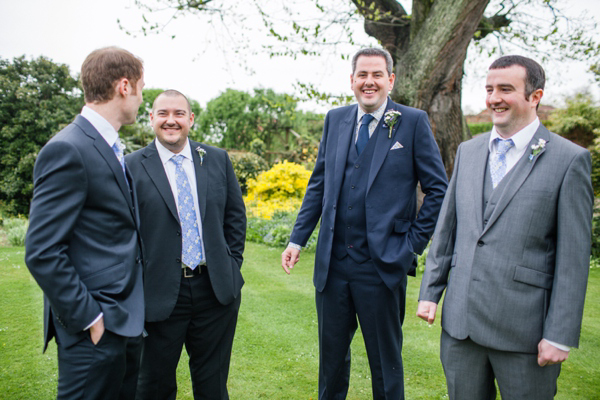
pixel 190 273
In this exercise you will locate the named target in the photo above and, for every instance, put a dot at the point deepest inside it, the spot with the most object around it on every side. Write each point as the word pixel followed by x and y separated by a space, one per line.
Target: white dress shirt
pixel 521 140
pixel 104 128
pixel 188 166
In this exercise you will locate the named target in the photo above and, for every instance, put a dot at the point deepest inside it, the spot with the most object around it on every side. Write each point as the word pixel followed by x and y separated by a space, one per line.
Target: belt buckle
pixel 187 271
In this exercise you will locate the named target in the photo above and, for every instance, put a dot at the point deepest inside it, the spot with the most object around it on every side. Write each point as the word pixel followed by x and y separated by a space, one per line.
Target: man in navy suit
pixel 82 246
pixel 363 188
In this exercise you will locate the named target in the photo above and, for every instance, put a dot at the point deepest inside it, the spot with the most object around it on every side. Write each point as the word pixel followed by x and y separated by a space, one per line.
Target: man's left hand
pixel 549 355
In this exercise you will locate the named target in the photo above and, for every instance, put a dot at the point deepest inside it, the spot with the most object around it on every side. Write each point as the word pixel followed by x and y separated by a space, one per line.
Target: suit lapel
pixel 521 171
pixel 156 171
pixel 201 177
pixel 345 134
pixel 383 143
pixel 476 167
pixel 109 156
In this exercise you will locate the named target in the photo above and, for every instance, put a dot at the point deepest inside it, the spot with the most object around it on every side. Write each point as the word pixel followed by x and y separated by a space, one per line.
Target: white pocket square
pixel 397 146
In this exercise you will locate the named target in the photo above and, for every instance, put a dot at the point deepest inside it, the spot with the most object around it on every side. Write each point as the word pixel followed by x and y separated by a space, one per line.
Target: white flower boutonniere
pixel 536 149
pixel 390 118
pixel 201 153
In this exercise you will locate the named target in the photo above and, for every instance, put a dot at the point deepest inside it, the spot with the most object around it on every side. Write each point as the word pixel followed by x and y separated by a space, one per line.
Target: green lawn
pixel 275 354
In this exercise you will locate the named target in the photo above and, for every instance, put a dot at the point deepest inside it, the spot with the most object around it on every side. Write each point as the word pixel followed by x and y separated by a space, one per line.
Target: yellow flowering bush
pixel 279 189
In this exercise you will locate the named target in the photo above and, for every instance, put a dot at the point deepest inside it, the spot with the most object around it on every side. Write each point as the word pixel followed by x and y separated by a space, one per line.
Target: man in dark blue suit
pixel 82 246
pixel 363 188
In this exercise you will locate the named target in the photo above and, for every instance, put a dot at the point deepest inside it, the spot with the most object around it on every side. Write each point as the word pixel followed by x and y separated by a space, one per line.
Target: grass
pixel 275 354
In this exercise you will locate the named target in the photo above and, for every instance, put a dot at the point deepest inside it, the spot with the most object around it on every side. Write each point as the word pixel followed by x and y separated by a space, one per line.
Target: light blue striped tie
pixel 498 160
pixel 191 241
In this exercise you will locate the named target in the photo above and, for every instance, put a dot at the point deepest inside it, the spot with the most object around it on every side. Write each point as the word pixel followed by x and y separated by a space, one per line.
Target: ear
pixel 123 87
pixel 392 80
pixel 536 97
pixel 352 81
pixel 151 116
pixel 192 119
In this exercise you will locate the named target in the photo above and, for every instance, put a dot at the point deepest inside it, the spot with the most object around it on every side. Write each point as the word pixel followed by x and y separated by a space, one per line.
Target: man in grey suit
pixel 82 246
pixel 193 226
pixel 511 248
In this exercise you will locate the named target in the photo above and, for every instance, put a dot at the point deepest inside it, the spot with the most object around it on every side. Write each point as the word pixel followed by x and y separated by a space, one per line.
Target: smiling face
pixel 509 107
pixel 171 120
pixel 371 82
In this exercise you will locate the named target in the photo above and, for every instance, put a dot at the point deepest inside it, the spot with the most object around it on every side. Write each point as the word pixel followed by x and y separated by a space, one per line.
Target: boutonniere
pixel 201 153
pixel 536 149
pixel 390 118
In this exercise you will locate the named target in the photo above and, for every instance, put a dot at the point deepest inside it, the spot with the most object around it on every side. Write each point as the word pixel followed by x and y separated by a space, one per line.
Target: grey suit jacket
pixel 521 275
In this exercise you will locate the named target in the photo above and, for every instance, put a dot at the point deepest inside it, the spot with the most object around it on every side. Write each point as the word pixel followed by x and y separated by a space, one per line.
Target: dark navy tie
pixel 363 133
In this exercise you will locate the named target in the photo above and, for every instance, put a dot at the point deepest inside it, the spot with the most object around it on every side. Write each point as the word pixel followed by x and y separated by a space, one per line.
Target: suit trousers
pixel 470 371
pixel 353 290
pixel 206 327
pixel 107 370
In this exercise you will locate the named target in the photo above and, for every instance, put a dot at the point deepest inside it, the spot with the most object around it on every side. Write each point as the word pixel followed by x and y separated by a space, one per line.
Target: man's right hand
pixel 97 330
pixel 289 258
pixel 426 311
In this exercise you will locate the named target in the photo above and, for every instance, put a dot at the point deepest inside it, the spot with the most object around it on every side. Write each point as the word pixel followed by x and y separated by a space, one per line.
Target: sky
pixel 66 31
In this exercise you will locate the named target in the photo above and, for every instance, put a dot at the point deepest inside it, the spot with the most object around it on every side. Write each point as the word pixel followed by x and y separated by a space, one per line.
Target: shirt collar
pixel 104 128
pixel 377 114
pixel 521 139
pixel 166 154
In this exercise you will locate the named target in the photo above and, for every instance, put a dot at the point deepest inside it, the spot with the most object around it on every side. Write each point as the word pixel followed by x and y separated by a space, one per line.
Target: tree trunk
pixel 429 54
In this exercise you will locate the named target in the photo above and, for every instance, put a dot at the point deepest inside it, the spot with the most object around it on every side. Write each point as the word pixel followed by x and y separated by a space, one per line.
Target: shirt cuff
pixel 294 246
pixel 94 321
pixel 558 345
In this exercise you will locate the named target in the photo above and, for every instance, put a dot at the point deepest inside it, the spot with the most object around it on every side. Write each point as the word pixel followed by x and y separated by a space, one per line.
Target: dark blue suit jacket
pixel 82 246
pixel 394 230
pixel 223 226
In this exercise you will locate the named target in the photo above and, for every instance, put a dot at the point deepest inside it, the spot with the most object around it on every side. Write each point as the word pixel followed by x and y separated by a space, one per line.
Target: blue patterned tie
pixel 191 242
pixel 498 160
pixel 363 133
pixel 118 149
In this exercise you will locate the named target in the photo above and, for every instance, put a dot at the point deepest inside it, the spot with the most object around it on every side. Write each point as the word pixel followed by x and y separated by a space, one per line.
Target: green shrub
pixel 15 229
pixel 579 122
pixel 480 127
pixel 247 166
pixel 276 231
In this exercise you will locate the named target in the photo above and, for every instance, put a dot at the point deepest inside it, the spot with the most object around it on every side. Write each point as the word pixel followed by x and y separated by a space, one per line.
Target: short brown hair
pixel 103 68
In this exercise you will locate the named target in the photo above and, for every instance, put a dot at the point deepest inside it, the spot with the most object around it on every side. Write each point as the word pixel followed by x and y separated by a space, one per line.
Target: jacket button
pixel 356 166
pixel 334 207
pixel 349 207
pixel 353 186
pixel 178 233
pixel 178 260
pixel 480 243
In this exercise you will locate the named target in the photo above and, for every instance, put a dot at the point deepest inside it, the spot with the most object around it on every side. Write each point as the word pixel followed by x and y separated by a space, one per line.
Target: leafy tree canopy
pixel 37 99
pixel 428 41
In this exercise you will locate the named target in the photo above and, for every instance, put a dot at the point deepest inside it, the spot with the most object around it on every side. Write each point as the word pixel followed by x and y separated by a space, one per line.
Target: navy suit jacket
pixel 223 226
pixel 394 230
pixel 82 245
